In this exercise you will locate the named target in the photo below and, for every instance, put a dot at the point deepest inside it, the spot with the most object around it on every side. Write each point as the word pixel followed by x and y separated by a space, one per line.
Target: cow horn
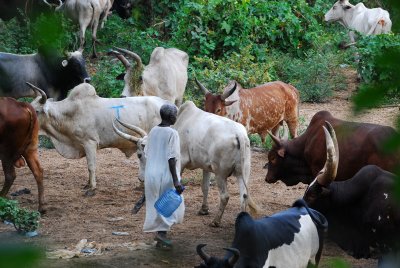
pixel 135 56
pixel 121 57
pixel 275 139
pixel 43 99
pixel 235 257
pixel 329 171
pixel 201 252
pixel 138 130
pixel 227 93
pixel 124 135
pixel 203 88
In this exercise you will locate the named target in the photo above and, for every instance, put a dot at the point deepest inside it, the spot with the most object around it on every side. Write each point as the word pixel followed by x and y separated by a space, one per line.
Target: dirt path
pixel 72 217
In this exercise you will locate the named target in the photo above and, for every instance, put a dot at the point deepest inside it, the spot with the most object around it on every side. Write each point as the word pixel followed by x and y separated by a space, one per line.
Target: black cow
pixel 24 8
pixel 123 8
pixel 291 238
pixel 48 69
pixel 362 211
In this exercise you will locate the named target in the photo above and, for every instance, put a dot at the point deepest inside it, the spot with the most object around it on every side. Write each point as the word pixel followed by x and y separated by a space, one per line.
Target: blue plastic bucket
pixel 168 202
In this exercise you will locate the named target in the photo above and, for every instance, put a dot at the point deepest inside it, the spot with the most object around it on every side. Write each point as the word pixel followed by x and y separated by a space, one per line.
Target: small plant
pixel 45 142
pixel 24 220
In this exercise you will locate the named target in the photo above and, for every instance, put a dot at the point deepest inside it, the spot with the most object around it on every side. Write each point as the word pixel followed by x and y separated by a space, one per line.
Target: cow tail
pixel 245 150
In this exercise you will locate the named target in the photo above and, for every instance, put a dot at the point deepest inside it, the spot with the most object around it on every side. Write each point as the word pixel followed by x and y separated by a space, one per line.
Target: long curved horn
pixel 329 171
pixel 275 139
pixel 235 257
pixel 124 135
pixel 227 93
pixel 203 88
pixel 201 252
pixel 43 99
pixel 121 57
pixel 135 56
pixel 138 130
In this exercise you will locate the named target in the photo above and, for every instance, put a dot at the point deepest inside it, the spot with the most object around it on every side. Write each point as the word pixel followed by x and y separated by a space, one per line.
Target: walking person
pixel 162 172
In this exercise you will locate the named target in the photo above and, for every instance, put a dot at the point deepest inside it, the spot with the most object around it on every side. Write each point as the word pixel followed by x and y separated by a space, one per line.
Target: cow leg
pixel 94 36
pixel 224 198
pixel 9 177
pixel 90 151
pixel 32 160
pixel 204 187
pixel 293 125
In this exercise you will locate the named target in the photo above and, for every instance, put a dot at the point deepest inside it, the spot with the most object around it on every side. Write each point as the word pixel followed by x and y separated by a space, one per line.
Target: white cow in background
pixel 165 76
pixel 216 145
pixel 358 17
pixel 87 13
pixel 82 123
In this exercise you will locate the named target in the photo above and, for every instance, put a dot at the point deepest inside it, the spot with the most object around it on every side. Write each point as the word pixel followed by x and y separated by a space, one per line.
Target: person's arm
pixel 172 169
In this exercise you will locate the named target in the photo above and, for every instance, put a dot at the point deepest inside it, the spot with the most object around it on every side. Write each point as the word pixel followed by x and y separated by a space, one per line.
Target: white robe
pixel 162 145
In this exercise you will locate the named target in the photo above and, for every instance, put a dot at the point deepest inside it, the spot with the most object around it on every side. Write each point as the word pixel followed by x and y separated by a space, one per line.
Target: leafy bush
pixel 217 28
pixel 315 77
pixel 378 66
pixel 23 219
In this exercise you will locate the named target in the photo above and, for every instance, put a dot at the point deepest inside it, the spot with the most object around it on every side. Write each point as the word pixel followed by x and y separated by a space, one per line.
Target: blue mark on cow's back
pixel 117 108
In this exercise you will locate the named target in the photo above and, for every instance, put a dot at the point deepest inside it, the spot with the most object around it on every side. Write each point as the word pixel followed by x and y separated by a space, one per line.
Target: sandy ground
pixel 72 217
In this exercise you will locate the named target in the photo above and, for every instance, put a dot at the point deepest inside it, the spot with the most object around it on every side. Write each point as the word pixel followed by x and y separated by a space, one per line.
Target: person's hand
pixel 179 187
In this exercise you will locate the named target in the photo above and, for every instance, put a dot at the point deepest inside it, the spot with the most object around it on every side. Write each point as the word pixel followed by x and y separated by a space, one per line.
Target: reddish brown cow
pixel 19 130
pixel 259 109
pixel 300 159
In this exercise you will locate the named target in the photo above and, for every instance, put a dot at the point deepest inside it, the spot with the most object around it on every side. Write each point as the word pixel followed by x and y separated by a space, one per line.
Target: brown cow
pixel 259 109
pixel 19 130
pixel 300 159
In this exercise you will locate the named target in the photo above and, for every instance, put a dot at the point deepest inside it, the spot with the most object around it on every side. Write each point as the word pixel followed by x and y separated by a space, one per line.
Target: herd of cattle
pixel 355 194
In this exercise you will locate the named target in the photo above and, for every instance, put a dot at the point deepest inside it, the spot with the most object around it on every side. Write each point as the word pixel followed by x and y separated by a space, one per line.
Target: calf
pixel 19 130
pixel 291 238
pixel 363 214
pixel 259 109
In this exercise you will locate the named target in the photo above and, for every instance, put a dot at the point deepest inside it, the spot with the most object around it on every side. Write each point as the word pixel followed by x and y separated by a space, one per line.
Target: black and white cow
pixel 291 238
pixel 48 69
pixel 363 214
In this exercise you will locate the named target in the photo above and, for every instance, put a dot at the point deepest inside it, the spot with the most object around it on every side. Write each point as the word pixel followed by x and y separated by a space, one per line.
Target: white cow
pixel 82 123
pixel 215 144
pixel 358 17
pixel 165 76
pixel 87 13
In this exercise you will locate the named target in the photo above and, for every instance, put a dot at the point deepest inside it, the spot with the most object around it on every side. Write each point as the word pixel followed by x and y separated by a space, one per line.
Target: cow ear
pixel 120 76
pixel 228 103
pixel 281 152
pixel 64 63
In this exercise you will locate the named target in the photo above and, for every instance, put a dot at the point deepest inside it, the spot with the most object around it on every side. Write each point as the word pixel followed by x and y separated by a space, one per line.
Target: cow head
pixel 132 76
pixel 216 104
pixel 213 262
pixel 123 8
pixel 318 190
pixel 337 12
pixel 39 102
pixel 139 141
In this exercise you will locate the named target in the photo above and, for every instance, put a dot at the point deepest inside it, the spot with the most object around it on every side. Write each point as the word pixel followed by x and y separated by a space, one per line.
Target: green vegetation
pixel 24 220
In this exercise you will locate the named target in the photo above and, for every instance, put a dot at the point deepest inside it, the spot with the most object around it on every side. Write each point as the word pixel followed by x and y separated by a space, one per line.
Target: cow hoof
pixel 86 187
pixel 90 192
pixel 215 224
pixel 203 212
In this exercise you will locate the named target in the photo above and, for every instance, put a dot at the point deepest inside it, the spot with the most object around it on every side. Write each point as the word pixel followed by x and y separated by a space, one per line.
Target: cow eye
pixel 64 63
pixel 333 7
pixel 139 156
pixel 218 110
